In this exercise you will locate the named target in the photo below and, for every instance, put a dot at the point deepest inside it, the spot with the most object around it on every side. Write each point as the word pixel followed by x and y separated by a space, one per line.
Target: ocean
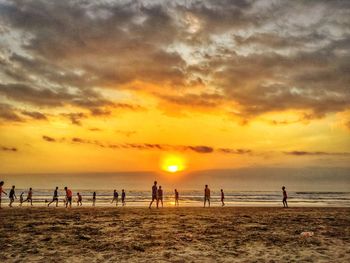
pixel 193 198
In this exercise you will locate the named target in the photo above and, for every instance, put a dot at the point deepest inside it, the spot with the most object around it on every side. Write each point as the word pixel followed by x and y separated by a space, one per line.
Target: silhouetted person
pixel 12 196
pixel 176 198
pixel 222 197
pixel 29 197
pixel 80 200
pixel 21 198
pixel 160 196
pixel 284 201
pixel 94 199
pixel 154 193
pixel 1 191
pixel 69 196
pixel 115 197
pixel 54 197
pixel 123 197
pixel 206 195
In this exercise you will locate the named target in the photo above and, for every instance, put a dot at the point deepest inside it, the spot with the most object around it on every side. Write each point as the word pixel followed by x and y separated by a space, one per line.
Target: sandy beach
pixel 174 235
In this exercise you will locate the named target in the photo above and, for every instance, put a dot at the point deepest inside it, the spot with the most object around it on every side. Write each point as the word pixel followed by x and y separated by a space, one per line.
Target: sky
pixel 131 86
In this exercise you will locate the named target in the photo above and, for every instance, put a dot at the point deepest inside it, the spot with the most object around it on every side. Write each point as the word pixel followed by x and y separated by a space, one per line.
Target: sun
pixel 173 164
pixel 173 168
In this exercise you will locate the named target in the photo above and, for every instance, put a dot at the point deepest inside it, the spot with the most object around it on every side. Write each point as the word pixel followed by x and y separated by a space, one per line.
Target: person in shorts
pixel 12 196
pixel 54 197
pixel 115 197
pixel 69 196
pixel 154 193
pixel 30 196
pixel 206 195
pixel 160 196
pixel 123 197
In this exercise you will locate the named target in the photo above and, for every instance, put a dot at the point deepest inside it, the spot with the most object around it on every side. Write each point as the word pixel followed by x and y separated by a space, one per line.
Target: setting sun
pixel 173 164
pixel 173 168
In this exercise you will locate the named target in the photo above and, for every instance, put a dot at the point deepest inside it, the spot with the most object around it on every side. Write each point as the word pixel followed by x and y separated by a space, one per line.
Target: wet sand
pixel 244 234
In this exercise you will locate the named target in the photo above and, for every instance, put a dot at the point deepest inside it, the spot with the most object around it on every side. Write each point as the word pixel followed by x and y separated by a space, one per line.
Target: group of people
pixel 12 195
pixel 157 196
pixel 116 197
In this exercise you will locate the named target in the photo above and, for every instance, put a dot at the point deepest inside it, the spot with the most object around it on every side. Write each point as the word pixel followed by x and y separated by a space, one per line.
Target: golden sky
pixel 133 86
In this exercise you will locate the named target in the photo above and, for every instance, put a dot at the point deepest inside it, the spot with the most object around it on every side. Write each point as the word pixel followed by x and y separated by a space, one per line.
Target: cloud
pixel 126 133
pixel 48 138
pixel 35 115
pixel 75 117
pixel 8 149
pixel 235 151
pixel 198 54
pixel 8 113
pixel 202 149
pixel 307 153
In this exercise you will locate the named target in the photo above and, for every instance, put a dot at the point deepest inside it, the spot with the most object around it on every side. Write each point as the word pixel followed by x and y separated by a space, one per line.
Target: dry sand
pixel 174 235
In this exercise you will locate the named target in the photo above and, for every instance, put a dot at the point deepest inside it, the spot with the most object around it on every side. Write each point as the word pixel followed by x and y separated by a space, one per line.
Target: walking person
pixel 154 193
pixel 80 200
pixel 206 195
pixel 222 197
pixel 284 201
pixel 123 197
pixel 54 197
pixel 12 196
pixel 160 196
pixel 94 199
pixel 115 197
pixel 29 197
pixel 176 198
pixel 69 196
pixel 1 191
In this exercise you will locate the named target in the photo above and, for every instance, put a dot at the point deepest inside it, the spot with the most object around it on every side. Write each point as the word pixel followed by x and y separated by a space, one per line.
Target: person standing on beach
pixel 30 197
pixel 154 193
pixel 21 199
pixel 54 198
pixel 206 195
pixel 123 197
pixel 80 199
pixel 1 191
pixel 69 196
pixel 115 197
pixel 284 201
pixel 160 196
pixel 176 198
pixel 94 199
pixel 222 197
pixel 12 196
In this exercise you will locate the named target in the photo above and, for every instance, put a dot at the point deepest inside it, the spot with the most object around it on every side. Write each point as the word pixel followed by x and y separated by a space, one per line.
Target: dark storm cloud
pixel 66 51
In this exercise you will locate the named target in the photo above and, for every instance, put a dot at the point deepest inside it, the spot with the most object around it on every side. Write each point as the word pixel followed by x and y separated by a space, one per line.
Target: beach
pixel 189 234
